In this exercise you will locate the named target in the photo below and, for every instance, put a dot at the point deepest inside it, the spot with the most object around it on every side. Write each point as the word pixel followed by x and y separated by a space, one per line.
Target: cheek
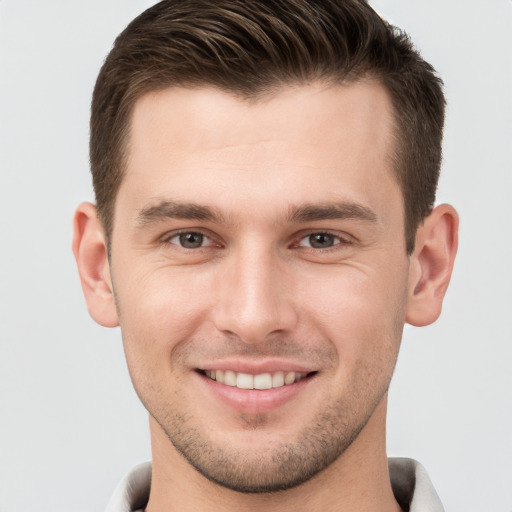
pixel 159 310
pixel 157 316
pixel 362 313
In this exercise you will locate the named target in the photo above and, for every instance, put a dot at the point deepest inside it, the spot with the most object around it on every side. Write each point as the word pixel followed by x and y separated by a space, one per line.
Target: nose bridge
pixel 254 299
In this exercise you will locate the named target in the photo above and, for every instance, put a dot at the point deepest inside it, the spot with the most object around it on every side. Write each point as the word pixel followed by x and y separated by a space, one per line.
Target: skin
pixel 300 264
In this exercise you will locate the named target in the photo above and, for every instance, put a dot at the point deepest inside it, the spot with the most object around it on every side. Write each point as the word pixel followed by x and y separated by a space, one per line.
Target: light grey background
pixel 70 423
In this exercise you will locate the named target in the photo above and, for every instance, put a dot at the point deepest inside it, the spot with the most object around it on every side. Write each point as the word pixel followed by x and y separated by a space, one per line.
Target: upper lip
pixel 256 367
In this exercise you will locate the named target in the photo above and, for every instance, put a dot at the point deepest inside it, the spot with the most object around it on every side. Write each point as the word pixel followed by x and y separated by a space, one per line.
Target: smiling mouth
pixel 261 381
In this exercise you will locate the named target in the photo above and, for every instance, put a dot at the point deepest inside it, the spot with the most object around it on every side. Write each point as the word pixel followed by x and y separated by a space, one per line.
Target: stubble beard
pixel 277 466
pixel 280 467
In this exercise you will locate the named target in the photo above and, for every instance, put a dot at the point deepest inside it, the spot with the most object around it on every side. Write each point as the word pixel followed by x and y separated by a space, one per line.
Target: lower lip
pixel 255 401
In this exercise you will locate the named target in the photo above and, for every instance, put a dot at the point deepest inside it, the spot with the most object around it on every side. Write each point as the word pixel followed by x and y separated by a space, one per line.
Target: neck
pixel 357 480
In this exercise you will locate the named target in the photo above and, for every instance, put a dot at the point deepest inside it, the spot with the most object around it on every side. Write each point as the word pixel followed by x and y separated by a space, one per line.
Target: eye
pixel 190 240
pixel 321 240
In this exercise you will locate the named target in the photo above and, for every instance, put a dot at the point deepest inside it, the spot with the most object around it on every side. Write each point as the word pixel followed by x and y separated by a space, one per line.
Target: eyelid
pixel 343 238
pixel 166 239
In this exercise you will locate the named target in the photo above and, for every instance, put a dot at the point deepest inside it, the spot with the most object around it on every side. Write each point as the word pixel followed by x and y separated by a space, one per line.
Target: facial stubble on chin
pixel 288 465
pixel 283 465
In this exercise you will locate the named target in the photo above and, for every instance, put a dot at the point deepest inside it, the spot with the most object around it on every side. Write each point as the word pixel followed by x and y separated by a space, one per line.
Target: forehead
pixel 200 142
pixel 218 118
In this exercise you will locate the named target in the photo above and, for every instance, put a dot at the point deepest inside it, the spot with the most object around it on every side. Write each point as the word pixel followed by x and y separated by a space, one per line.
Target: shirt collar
pixel 411 485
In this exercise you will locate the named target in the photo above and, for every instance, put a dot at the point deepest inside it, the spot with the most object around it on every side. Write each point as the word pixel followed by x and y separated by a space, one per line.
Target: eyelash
pixel 167 239
pixel 339 240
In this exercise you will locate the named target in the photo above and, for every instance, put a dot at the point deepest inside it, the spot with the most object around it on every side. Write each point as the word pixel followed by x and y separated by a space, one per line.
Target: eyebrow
pixel 343 210
pixel 178 210
pixel 167 209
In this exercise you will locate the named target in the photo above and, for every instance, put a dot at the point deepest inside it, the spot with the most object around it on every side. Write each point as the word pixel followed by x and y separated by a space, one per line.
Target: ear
pixel 431 265
pixel 90 250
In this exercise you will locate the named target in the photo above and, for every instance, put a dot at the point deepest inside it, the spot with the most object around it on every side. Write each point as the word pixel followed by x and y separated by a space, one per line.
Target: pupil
pixel 321 240
pixel 191 240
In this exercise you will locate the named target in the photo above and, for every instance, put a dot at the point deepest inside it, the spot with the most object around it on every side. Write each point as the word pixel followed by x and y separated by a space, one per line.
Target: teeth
pixel 278 380
pixel 229 377
pixel 260 381
pixel 263 381
pixel 289 378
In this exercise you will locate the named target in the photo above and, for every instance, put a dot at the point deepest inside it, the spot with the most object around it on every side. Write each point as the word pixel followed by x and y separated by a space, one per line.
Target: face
pixel 260 274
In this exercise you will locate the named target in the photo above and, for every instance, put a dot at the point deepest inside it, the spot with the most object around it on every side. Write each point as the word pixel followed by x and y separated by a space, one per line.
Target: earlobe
pixel 431 265
pixel 90 250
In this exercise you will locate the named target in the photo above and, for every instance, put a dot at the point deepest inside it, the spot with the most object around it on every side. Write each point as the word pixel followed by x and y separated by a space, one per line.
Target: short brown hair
pixel 250 48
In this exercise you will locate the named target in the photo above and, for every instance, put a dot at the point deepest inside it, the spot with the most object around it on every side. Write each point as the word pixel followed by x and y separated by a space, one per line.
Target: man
pixel 265 175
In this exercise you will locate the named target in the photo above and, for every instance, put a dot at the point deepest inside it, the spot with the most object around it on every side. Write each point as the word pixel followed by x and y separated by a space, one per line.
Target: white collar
pixel 411 485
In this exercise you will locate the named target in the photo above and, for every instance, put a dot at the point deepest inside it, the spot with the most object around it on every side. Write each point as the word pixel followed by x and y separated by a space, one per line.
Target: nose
pixel 255 297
